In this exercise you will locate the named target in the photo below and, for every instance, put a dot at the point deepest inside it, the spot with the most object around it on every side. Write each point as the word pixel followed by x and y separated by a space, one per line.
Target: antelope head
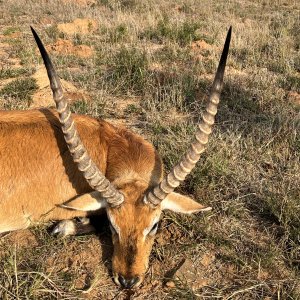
pixel 134 208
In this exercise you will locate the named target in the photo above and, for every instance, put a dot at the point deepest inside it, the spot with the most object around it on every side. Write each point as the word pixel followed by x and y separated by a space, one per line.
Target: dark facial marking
pixel 131 252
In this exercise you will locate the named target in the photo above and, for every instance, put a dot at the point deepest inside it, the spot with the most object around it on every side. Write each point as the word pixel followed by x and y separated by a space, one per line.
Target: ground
pixel 149 65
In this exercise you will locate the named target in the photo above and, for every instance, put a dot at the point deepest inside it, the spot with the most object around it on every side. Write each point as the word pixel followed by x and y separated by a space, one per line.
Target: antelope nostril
pixel 122 280
pixel 128 283
pixel 133 281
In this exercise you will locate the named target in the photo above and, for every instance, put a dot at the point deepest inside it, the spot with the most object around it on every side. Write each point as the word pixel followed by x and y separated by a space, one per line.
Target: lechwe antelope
pixel 57 167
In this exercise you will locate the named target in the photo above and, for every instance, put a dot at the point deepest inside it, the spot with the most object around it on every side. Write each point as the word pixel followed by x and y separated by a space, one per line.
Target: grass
pixel 165 30
pixel 128 68
pixel 11 30
pixel 249 173
pixel 18 92
pixel 6 73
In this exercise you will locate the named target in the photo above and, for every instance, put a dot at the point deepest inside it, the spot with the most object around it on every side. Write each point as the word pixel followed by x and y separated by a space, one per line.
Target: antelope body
pixel 60 166
pixel 38 172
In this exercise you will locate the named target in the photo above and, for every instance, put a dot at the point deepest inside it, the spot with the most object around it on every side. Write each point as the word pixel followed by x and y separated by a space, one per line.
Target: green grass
pixel 10 30
pixel 127 71
pixel 6 73
pixel 118 34
pixel 182 34
pixel 52 32
pixel 18 92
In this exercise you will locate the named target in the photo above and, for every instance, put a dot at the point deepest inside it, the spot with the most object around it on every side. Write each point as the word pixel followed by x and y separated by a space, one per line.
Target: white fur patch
pixel 86 202
pixel 148 229
pixel 173 206
pixel 87 207
pixel 113 224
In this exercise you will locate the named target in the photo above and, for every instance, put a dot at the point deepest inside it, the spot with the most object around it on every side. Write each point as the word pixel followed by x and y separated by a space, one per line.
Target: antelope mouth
pixel 133 285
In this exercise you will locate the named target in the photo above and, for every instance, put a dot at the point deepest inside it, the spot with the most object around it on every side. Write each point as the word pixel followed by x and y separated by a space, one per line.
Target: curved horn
pixel 191 157
pixel 91 173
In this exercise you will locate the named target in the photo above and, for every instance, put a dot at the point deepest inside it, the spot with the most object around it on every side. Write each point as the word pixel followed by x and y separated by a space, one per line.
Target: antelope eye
pixel 112 229
pixel 153 229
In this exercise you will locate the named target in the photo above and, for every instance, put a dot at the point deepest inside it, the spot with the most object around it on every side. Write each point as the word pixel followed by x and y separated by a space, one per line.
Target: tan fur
pixel 131 247
pixel 37 172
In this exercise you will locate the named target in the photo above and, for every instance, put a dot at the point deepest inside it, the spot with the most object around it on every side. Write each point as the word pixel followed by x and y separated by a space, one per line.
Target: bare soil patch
pixel 201 50
pixel 66 47
pixel 47 21
pixel 6 56
pixel 21 239
pixel 4 47
pixel 201 46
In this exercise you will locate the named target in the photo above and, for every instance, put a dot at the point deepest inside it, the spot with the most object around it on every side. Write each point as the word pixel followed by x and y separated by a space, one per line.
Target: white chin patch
pixel 116 280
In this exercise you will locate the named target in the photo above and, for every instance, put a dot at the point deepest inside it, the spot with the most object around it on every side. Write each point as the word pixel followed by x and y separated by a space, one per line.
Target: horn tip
pixel 35 35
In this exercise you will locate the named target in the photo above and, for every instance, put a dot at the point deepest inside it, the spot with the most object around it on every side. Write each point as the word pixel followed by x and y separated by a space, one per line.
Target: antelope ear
pixel 86 202
pixel 182 204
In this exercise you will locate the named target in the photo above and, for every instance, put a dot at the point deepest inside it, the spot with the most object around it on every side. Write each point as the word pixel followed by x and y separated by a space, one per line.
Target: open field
pixel 149 65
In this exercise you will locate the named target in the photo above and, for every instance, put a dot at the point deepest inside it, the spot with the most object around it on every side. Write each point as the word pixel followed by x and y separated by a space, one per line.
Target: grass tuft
pixel 182 34
pixel 18 92
pixel 128 70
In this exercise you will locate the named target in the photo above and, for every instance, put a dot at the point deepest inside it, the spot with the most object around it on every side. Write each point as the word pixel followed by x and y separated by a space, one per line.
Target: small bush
pixel 52 32
pixel 290 82
pixel 183 34
pixel 11 30
pixel 127 69
pixel 19 90
pixel 80 107
pixel 119 33
pixel 10 73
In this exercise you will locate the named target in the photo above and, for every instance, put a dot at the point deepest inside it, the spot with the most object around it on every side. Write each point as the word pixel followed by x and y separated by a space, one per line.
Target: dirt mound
pixel 201 46
pixel 4 82
pixel 81 26
pixel 66 47
pixel 43 97
pixel 201 49
pixel 125 112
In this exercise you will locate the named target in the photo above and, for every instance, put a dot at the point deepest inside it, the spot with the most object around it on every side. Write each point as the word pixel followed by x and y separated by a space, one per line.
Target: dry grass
pixel 152 72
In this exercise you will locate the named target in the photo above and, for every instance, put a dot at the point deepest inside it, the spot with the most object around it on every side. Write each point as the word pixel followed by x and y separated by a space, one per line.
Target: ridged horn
pixel 191 157
pixel 90 171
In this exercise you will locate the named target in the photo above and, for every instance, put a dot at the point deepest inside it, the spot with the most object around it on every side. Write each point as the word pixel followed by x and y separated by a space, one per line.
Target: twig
pixel 243 290
pixel 94 282
pixel 16 272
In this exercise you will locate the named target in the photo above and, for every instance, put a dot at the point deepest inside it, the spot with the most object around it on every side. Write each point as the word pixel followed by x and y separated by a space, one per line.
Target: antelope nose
pixel 128 283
